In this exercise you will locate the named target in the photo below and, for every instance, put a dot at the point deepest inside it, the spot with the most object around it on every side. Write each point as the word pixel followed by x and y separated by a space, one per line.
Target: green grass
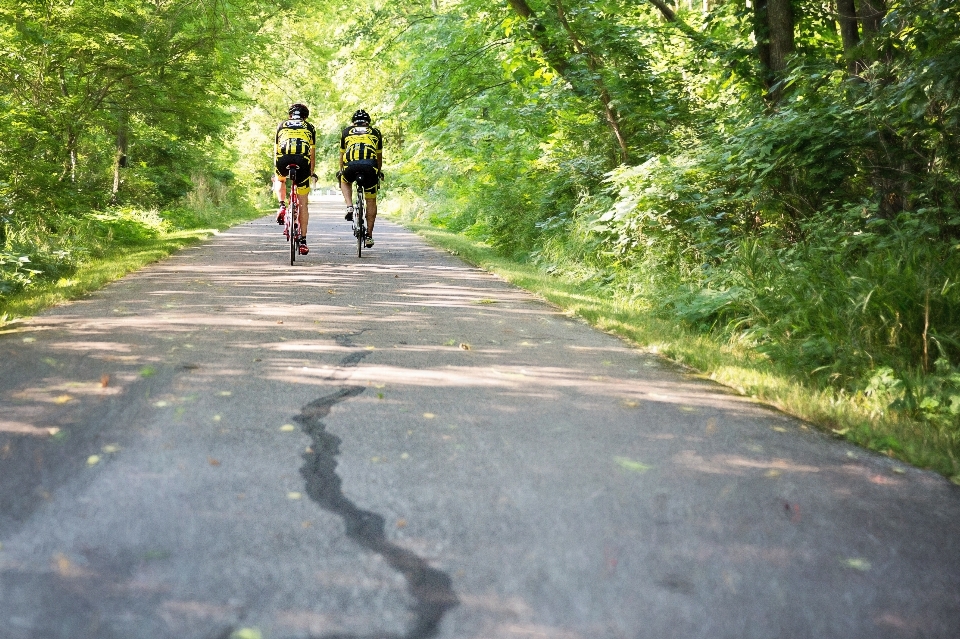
pixel 736 366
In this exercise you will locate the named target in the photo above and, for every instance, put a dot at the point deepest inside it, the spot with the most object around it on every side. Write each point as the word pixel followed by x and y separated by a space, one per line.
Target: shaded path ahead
pixel 405 446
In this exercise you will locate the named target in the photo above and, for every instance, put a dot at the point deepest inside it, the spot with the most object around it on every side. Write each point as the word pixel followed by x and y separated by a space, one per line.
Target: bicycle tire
pixel 361 213
pixel 293 234
pixel 294 216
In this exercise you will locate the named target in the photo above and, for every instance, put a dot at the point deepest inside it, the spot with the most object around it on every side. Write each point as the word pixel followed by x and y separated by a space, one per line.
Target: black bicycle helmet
pixel 361 116
pixel 299 111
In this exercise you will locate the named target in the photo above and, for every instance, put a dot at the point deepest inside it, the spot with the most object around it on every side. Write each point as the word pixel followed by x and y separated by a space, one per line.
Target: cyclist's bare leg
pixel 304 212
pixel 278 188
pixel 371 213
pixel 346 189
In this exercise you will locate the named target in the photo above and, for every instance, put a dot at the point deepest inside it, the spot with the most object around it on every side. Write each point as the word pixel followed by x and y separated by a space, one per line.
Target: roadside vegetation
pixel 769 193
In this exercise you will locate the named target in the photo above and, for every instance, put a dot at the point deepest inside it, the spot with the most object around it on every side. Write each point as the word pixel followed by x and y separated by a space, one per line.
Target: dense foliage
pixel 110 108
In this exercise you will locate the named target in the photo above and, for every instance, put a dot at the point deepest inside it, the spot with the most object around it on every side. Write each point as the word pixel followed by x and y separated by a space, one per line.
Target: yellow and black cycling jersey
pixel 360 142
pixel 295 137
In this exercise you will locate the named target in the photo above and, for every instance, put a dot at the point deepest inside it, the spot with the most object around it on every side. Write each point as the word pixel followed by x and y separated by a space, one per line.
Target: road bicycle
pixel 360 207
pixel 291 229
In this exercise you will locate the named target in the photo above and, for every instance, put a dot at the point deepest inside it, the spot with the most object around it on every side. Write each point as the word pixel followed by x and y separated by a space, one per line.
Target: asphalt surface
pixel 402 446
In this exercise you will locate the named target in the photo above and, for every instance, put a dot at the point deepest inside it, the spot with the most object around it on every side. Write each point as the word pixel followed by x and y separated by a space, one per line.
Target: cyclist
pixel 295 143
pixel 361 154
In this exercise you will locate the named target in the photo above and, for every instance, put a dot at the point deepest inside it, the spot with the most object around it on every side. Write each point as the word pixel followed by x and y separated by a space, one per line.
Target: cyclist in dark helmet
pixel 296 143
pixel 361 153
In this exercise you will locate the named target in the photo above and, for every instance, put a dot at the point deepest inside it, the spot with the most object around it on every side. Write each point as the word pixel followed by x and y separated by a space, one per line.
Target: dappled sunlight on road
pixel 738 464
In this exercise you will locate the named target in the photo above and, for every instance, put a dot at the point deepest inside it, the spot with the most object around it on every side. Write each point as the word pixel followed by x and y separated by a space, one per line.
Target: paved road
pixel 403 446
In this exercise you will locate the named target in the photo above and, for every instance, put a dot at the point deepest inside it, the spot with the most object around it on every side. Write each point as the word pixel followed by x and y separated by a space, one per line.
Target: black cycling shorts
pixel 364 173
pixel 303 169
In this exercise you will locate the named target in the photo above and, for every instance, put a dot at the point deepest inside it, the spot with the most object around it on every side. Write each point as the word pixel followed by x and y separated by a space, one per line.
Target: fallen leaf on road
pixel 67 568
pixel 294 495
pixel 401 523
pixel 93 460
pixel 464 346
pixel 225 393
pixel 428 415
pixel 779 429
pixel 279 321
pixel 161 404
pixel 147 371
pixel 104 381
pixel 631 465
pixel 62 399
pixel 29 340
pixel 213 462
pixel 110 449
pixel 629 403
pixel 288 428
pixel 857 563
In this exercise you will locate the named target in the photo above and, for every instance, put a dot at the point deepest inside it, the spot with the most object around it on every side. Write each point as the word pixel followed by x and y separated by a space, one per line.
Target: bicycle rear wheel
pixel 361 217
pixel 294 229
pixel 293 216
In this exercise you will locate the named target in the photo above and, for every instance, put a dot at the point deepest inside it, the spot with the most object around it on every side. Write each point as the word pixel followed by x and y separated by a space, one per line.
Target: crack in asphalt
pixel 431 588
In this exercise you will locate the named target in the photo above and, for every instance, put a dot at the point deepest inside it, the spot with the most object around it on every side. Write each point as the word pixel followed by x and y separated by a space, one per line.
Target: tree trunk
pixel 849 34
pixel 773 31
pixel 780 19
pixel 871 14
